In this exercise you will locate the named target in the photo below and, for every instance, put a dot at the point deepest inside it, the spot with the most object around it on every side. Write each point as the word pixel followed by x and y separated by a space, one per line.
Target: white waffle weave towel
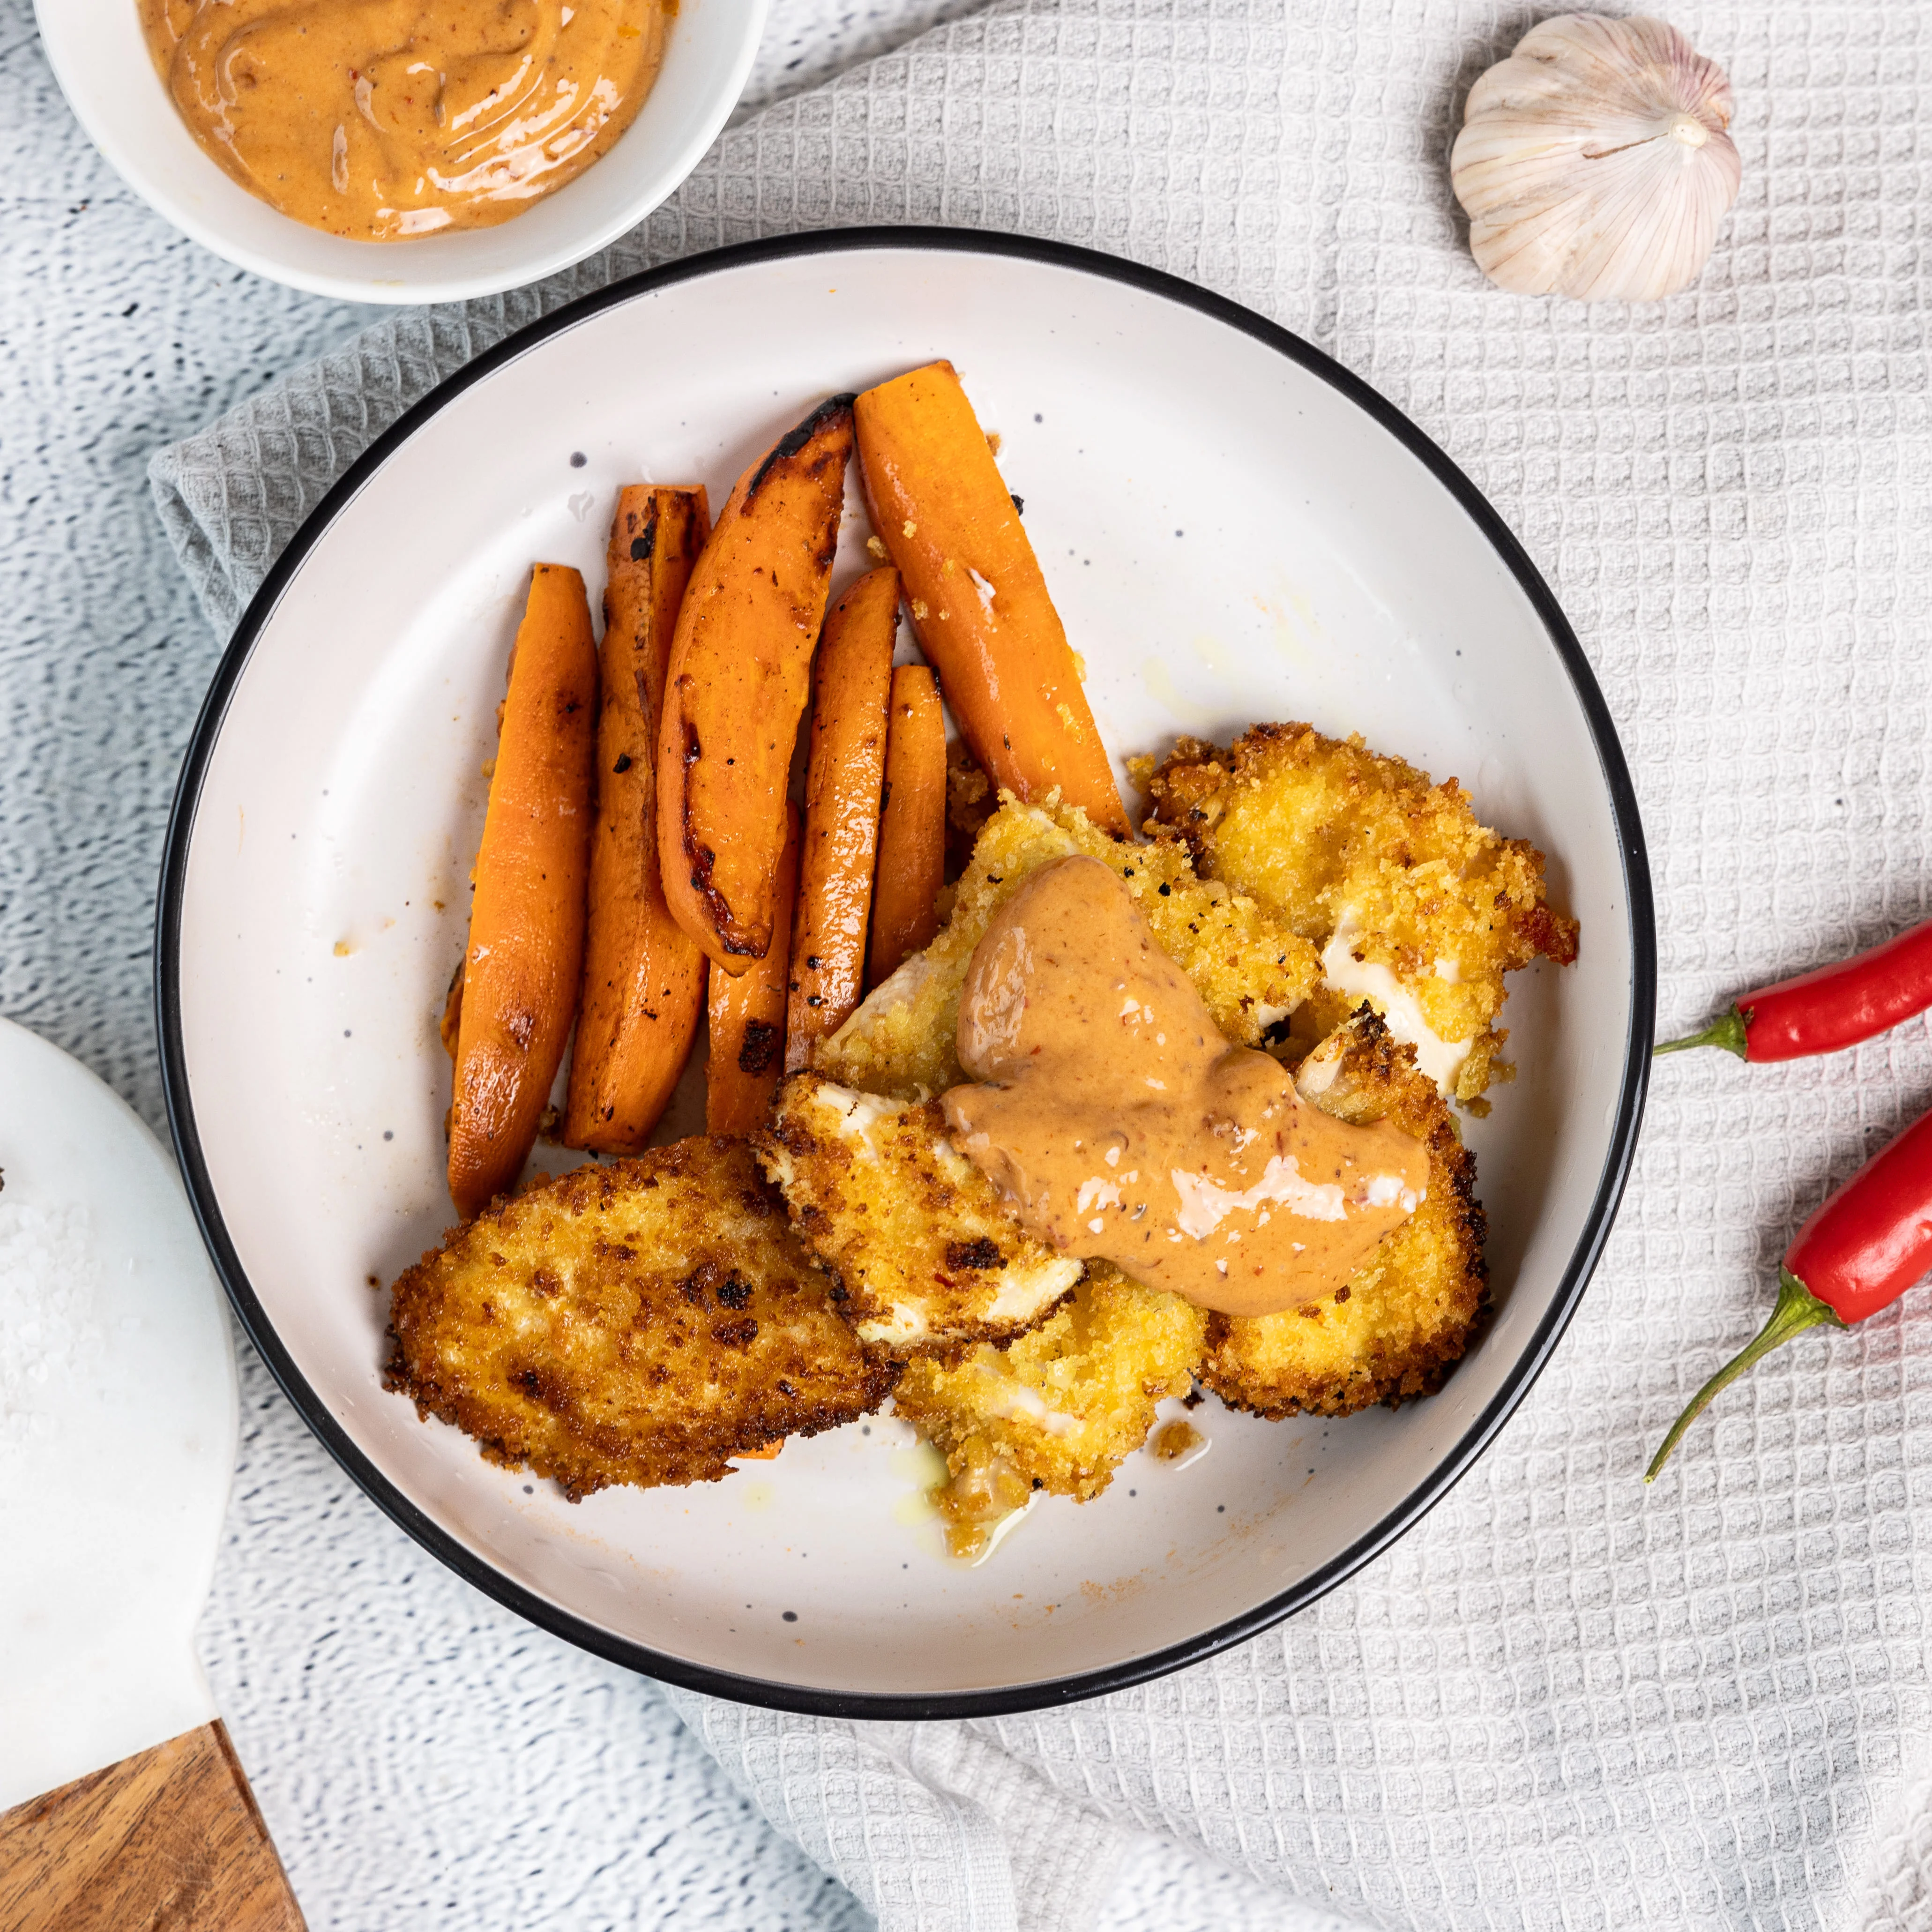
pixel 1562 1701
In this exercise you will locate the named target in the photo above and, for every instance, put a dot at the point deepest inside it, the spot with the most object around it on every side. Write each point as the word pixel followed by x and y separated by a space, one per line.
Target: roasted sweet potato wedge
pixel 644 974
pixel 740 668
pixel 912 825
pixel 524 960
pixel 979 601
pixel 748 1016
pixel 850 685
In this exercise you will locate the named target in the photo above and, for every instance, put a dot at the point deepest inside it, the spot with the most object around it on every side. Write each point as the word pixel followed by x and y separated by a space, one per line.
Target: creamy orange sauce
pixel 381 119
pixel 1122 1127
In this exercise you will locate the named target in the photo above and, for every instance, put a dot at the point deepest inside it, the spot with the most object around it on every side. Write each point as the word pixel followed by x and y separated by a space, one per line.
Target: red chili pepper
pixel 1859 1253
pixel 1836 1007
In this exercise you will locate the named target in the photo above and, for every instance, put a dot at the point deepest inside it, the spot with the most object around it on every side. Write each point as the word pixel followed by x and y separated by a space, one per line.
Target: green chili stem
pixel 1728 1032
pixel 1798 1309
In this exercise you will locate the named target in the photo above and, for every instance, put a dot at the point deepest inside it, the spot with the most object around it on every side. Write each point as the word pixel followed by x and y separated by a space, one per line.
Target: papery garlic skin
pixel 1594 162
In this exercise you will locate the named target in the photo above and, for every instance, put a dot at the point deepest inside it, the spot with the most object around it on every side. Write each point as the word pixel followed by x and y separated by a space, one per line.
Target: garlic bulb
pixel 1593 162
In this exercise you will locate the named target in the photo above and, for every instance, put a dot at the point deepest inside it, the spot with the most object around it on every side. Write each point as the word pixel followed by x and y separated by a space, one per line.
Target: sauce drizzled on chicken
pixel 1120 1126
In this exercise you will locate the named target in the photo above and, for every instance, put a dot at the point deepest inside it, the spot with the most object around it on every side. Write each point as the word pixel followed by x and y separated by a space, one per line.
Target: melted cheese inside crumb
pixel 1368 980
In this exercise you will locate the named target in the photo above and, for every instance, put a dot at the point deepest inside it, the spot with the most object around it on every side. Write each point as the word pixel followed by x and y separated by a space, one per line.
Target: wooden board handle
pixel 170 1840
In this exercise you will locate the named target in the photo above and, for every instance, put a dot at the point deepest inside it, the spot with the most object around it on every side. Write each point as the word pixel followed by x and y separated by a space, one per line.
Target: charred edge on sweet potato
pixel 794 441
pixel 642 546
pixel 758 1052
pixel 701 859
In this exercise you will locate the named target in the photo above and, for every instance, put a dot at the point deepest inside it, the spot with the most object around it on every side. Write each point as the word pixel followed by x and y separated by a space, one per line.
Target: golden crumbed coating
pixel 924 1254
pixel 1249 969
pixel 1059 1408
pixel 1329 835
pixel 970 802
pixel 640 1322
pixel 1404 1320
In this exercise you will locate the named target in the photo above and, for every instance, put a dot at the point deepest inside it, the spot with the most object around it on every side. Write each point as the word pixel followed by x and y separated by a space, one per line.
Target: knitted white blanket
pixel 1562 1700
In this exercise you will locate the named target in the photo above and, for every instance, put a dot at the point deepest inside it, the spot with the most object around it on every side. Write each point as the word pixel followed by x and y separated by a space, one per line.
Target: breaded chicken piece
pixel 1412 902
pixel 1403 1322
pixel 1250 969
pixel 923 1254
pixel 638 1322
pixel 1059 1408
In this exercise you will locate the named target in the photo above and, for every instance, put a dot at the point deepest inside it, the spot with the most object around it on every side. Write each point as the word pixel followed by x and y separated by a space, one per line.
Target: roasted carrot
pixel 979 604
pixel 748 1016
pixel 739 671
pixel 643 975
pixel 850 684
pixel 912 825
pixel 525 955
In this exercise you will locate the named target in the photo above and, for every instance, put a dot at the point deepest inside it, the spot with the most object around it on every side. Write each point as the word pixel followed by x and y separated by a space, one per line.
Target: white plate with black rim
pixel 1235 529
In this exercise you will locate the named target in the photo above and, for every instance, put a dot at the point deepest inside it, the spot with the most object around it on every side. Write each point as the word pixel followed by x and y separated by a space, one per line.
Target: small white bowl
pixel 101 58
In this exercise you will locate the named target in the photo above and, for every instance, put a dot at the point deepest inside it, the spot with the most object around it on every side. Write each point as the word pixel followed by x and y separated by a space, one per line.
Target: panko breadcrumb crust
pixel 1321 830
pixel 1058 1409
pixel 923 1254
pixel 641 1321
pixel 1397 1328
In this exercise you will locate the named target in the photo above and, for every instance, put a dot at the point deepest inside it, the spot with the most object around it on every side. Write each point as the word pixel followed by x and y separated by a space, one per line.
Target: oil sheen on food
pixel 1120 1125
pixel 382 119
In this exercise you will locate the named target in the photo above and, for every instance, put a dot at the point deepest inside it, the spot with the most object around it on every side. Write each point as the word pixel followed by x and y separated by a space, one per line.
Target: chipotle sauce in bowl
pixel 380 120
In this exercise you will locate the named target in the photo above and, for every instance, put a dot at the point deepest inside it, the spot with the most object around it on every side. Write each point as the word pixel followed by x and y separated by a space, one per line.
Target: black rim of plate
pixel 1036 1696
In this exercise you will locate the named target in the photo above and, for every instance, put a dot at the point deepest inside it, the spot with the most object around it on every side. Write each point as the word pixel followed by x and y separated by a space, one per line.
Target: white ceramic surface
pixel 1231 538
pixel 98 55
pixel 116 1451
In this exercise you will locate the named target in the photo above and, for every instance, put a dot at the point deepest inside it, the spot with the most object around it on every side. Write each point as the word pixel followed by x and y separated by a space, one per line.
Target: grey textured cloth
pixel 1562 1700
